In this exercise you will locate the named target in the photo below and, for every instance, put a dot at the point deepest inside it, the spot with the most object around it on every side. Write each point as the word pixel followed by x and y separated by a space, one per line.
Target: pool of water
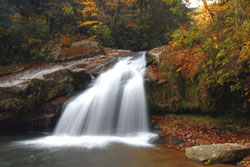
pixel 32 150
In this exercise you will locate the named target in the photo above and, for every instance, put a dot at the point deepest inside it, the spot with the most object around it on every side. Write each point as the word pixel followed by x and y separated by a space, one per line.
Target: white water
pixel 89 142
pixel 112 110
pixel 114 105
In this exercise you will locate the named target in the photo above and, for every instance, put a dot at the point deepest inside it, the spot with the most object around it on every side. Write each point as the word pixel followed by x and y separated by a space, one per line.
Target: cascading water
pixel 113 109
pixel 114 105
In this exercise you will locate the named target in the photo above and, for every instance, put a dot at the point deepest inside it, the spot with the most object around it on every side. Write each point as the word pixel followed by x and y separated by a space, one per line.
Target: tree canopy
pixel 29 27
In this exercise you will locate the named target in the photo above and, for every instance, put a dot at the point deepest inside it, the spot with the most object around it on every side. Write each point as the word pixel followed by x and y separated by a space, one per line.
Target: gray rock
pixel 217 153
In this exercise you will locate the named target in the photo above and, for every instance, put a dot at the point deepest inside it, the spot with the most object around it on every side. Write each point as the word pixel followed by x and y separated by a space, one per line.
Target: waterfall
pixel 115 104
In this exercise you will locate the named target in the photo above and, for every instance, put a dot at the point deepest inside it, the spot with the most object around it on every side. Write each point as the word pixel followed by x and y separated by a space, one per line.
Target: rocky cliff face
pixel 167 89
pixel 171 89
pixel 34 97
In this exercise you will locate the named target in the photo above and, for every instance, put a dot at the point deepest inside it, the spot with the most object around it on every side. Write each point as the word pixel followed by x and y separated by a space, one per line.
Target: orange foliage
pixel 186 60
pixel 66 41
pixel 31 41
pixel 78 36
pixel 246 95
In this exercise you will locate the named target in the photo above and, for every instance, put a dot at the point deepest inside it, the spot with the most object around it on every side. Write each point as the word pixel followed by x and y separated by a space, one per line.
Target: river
pixel 15 152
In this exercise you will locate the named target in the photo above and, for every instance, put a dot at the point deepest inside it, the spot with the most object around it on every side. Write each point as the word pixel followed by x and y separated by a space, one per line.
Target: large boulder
pixel 77 50
pixel 218 153
pixel 32 93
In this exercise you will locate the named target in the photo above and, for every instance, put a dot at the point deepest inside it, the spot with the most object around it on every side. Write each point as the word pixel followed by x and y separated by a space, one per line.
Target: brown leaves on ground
pixel 181 133
pixel 245 162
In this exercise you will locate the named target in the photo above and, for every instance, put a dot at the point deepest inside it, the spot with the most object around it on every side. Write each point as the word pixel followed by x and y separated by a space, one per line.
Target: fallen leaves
pixel 245 162
pixel 180 133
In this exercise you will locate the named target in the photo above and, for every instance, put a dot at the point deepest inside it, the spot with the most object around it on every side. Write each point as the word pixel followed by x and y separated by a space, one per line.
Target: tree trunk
pixel 115 15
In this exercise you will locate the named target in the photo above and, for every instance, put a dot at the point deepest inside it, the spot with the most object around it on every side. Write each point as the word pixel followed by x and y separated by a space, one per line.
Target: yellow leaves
pixel 93 24
pixel 130 25
pixel 87 11
pixel 174 43
pixel 179 69
pixel 111 4
pixel 128 1
pixel 89 3
pixel 92 13
pixel 87 23
pixel 31 17
pixel 68 10
pixel 93 37
pixel 16 17
pixel 90 9
pixel 94 27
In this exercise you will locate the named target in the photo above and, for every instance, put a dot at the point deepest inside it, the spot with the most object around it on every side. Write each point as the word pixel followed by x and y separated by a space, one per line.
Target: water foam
pixel 114 105
pixel 113 110
pixel 89 142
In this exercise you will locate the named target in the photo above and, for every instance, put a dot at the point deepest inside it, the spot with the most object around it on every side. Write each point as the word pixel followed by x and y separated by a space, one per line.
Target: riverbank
pixel 14 152
pixel 184 131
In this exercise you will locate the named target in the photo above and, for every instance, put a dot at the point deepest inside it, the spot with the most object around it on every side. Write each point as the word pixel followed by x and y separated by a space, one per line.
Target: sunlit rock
pixel 217 153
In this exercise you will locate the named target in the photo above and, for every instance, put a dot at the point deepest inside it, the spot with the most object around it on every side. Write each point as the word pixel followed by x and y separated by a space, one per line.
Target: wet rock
pixel 9 92
pixel 11 107
pixel 38 93
pixel 161 139
pixel 58 83
pixel 24 102
pixel 217 153
pixel 81 78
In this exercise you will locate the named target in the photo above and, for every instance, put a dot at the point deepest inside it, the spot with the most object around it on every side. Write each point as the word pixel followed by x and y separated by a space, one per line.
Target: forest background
pixel 209 46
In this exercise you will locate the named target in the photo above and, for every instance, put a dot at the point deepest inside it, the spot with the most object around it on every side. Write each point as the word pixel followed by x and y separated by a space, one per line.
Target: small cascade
pixel 47 124
pixel 40 125
pixel 114 105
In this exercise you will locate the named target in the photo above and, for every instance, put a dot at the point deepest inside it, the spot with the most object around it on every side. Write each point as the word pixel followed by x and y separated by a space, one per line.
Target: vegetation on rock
pixel 206 68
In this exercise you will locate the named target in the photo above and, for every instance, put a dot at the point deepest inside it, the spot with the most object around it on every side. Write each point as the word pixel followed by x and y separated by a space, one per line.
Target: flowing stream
pixel 104 126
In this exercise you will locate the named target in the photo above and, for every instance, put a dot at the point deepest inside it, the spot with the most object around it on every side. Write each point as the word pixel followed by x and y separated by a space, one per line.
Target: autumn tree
pixel 218 40
pixel 132 24
pixel 28 28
